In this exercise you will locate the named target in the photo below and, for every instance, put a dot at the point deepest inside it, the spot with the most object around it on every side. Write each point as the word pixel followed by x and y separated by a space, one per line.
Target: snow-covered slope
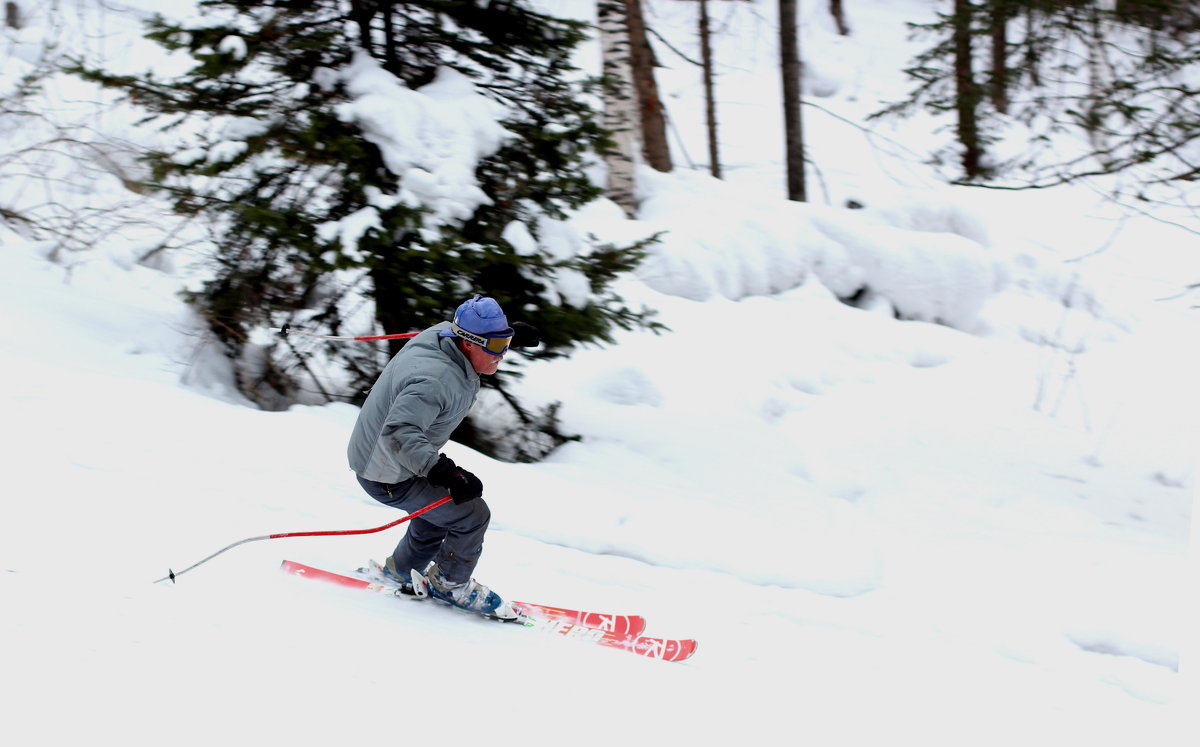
pixel 880 530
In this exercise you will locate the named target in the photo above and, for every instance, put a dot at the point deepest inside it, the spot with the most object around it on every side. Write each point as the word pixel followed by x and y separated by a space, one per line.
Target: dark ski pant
pixel 450 535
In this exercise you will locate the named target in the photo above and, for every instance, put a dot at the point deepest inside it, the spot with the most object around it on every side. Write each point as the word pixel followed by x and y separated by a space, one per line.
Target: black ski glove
pixel 525 335
pixel 463 485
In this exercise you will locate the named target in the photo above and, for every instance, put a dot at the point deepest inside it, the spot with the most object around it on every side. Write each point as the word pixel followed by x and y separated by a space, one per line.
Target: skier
pixel 422 395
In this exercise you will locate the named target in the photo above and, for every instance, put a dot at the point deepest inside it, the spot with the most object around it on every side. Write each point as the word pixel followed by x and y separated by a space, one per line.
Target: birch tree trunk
pixel 620 103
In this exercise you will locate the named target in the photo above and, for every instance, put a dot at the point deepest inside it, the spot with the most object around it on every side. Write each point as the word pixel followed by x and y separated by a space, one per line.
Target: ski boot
pixel 466 595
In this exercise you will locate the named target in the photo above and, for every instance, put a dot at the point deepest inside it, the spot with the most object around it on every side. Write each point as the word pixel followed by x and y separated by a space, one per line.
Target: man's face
pixel 482 361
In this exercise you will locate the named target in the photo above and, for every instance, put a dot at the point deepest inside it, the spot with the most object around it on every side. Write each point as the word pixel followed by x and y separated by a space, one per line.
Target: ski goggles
pixel 493 343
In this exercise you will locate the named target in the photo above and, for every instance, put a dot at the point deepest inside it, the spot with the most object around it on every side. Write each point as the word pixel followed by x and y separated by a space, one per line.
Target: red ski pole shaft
pixel 286 330
pixel 172 575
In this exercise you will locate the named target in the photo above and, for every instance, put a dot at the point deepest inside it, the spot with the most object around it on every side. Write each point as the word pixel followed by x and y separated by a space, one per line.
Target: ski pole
pixel 172 575
pixel 286 330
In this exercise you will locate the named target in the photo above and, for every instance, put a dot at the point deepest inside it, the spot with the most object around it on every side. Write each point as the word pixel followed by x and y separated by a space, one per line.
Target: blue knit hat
pixel 480 315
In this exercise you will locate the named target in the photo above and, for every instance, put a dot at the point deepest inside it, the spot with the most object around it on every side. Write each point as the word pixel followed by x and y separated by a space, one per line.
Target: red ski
pixel 614 631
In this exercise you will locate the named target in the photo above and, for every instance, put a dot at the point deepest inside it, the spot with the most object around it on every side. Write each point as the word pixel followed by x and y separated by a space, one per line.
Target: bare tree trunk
pixel 1099 75
pixel 641 59
pixel 710 105
pixel 12 15
pixel 839 17
pixel 1032 59
pixel 362 18
pixel 999 88
pixel 620 104
pixel 966 90
pixel 391 59
pixel 789 63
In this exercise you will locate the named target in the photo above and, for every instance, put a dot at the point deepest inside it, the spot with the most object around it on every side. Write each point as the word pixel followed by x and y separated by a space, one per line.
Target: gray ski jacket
pixel 422 395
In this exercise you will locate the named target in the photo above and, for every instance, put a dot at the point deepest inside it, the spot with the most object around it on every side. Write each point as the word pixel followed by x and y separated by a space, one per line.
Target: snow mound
pixel 716 244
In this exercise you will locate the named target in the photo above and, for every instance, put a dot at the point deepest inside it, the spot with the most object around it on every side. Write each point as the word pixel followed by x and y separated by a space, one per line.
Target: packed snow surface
pixel 915 473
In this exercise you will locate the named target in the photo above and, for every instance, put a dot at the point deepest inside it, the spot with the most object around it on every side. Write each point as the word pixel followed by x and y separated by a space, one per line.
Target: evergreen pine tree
pixel 275 162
